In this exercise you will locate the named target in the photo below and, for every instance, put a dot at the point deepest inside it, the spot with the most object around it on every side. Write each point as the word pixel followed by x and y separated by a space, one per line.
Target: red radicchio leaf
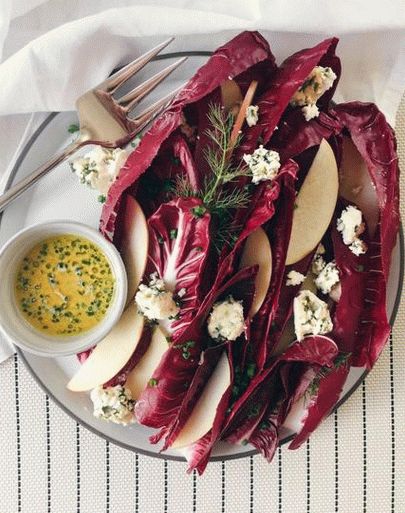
pixel 375 141
pixel 283 84
pixel 295 134
pixel 82 357
pixel 232 59
pixel 179 243
pixel 313 350
pixel 360 321
pixel 321 404
pixel 173 160
pixel 159 405
pixel 209 359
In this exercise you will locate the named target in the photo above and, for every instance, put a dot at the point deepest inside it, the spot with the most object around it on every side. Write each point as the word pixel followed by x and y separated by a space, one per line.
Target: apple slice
pixel 315 204
pixel 257 251
pixel 140 375
pixel 231 95
pixel 134 244
pixel 111 354
pixel 202 417
pixel 356 186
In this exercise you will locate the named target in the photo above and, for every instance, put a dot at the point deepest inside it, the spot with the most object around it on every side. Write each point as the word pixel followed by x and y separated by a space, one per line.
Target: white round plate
pixel 60 196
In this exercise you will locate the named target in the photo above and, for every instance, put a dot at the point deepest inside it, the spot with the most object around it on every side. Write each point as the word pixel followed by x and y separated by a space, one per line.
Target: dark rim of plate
pixel 21 354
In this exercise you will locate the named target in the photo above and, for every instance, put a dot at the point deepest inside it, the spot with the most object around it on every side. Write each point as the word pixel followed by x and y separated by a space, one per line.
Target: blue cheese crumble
pixel 327 278
pixel 314 86
pixel 351 226
pixel 113 404
pixel 226 320
pixel 263 164
pixel 252 115
pixel 294 278
pixel 311 315
pixel 99 167
pixel 154 301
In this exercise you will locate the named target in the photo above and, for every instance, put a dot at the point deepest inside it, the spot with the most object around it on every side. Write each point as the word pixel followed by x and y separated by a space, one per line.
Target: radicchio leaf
pixel 313 350
pixel 360 321
pixel 179 243
pixel 321 404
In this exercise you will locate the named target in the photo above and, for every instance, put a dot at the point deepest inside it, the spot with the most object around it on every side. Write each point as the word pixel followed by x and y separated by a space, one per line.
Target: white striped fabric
pixel 352 464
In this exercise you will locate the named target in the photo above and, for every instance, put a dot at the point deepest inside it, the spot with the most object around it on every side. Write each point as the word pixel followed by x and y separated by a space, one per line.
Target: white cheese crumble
pixel 294 278
pixel 154 301
pixel 264 164
pixel 327 278
pixel 252 115
pixel 226 320
pixel 318 262
pixel 310 111
pixel 311 315
pixel 114 404
pixel 99 167
pixel 351 225
pixel 314 86
pixel 181 292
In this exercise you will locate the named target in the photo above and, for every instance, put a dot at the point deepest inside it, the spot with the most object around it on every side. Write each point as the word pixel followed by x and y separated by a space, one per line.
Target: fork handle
pixel 16 190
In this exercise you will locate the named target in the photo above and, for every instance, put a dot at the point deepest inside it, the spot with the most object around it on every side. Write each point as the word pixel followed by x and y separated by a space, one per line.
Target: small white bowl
pixel 12 324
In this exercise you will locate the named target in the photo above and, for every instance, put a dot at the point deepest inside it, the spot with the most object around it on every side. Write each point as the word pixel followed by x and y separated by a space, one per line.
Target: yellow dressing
pixel 64 285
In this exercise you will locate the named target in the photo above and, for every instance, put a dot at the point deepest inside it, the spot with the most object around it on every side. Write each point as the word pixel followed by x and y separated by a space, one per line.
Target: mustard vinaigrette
pixel 64 285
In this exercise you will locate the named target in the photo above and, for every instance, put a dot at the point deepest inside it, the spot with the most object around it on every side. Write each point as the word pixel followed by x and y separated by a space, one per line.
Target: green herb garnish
pixel 73 128
pixel 219 193
pixel 153 382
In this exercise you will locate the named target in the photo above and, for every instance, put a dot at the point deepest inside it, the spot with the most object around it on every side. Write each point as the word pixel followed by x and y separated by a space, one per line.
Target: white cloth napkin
pixel 53 50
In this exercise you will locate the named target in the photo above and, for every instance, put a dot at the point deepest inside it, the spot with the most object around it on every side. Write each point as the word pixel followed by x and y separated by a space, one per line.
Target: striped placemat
pixel 352 464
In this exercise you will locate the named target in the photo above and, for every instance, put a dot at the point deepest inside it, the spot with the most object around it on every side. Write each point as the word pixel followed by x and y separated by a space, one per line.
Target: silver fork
pixel 105 120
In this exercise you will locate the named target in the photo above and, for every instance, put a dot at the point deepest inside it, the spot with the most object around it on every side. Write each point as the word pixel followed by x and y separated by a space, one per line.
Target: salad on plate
pixel 256 220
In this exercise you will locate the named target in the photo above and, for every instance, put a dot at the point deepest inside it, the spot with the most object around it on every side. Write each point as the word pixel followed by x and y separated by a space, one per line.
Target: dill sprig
pixel 220 195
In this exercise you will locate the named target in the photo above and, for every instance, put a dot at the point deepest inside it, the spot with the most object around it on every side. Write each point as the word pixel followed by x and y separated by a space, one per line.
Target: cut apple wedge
pixel 111 354
pixel 134 244
pixel 140 375
pixel 314 205
pixel 202 417
pixel 231 95
pixel 257 251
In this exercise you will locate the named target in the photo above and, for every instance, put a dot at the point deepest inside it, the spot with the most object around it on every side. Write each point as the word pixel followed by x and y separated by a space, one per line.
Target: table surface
pixel 352 464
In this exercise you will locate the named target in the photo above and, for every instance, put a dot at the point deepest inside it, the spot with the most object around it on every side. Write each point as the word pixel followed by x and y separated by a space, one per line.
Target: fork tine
pixel 114 81
pixel 132 98
pixel 150 113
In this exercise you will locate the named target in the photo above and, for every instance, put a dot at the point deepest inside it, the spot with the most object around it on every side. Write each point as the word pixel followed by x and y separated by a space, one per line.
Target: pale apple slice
pixel 356 186
pixel 231 96
pixel 202 417
pixel 314 205
pixel 111 354
pixel 134 244
pixel 140 375
pixel 257 251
